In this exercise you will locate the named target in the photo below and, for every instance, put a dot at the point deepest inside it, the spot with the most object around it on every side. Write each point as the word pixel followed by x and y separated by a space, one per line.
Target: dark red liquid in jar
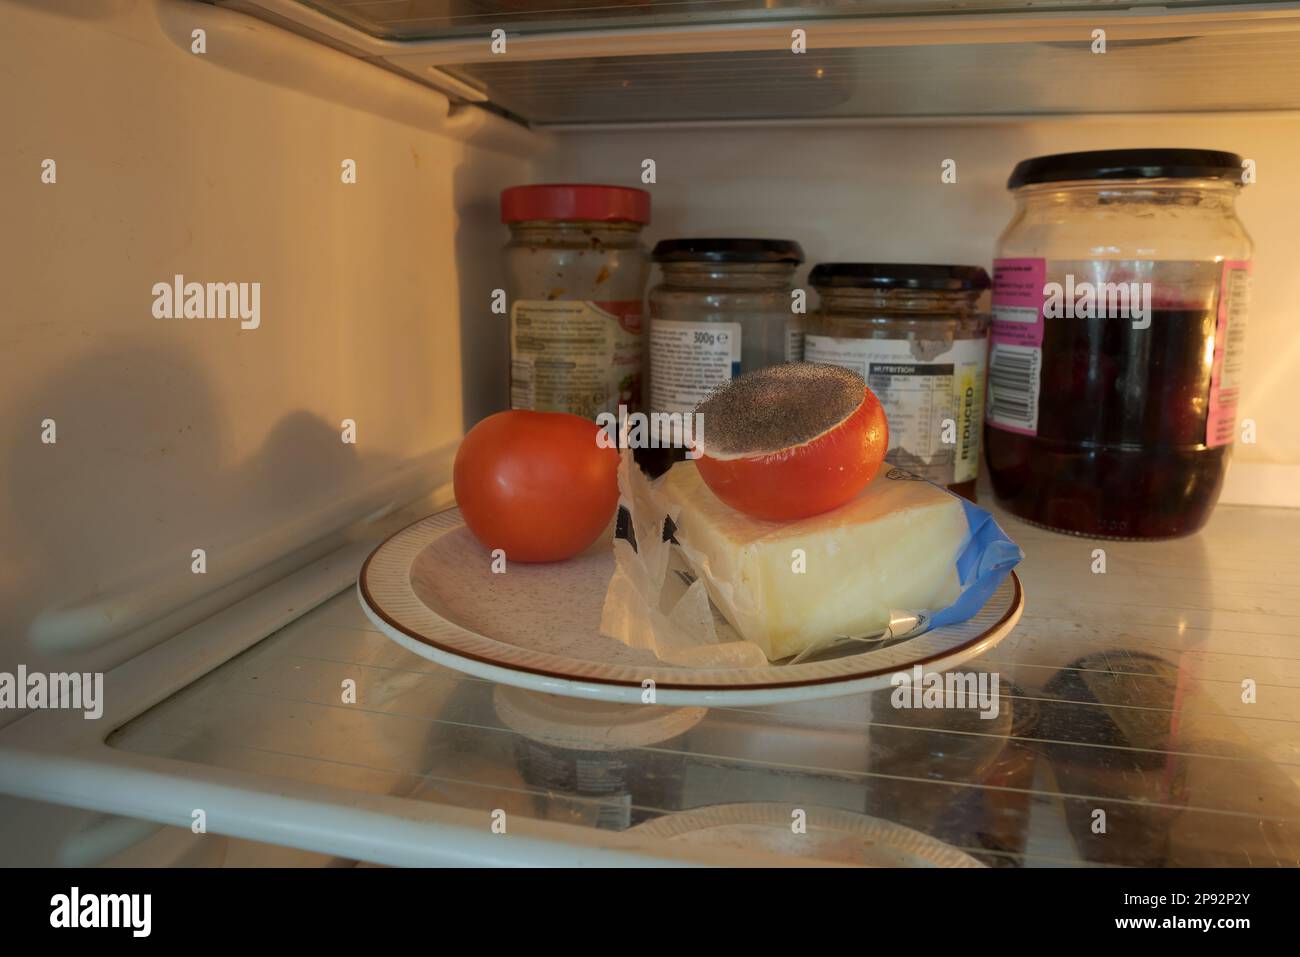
pixel 1120 450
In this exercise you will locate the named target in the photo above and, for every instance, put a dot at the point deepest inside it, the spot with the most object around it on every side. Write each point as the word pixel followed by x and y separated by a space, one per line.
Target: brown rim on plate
pixel 662 675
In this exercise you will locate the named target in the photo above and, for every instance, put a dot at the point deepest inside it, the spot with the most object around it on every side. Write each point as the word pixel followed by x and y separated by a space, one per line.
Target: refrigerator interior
pixel 176 435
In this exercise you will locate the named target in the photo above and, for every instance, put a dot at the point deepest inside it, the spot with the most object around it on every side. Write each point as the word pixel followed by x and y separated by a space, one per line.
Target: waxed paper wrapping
pixel 657 600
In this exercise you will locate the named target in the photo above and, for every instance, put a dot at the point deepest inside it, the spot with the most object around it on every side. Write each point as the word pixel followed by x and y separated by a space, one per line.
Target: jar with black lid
pixel 918 335
pixel 724 308
pixel 1119 301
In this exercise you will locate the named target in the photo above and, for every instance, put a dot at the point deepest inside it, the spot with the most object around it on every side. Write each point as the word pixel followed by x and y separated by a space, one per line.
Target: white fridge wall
pixel 873 192
pixel 177 434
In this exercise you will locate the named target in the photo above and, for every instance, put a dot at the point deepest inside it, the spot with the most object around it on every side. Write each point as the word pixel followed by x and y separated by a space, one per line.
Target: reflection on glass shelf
pixel 431 19
pixel 1218 72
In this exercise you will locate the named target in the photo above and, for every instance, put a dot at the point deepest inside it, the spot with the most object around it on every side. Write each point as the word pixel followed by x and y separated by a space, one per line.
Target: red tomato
pixel 536 484
pixel 806 479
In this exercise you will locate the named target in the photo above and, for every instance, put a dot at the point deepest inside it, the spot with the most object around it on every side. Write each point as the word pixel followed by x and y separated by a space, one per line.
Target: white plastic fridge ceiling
pixel 585 62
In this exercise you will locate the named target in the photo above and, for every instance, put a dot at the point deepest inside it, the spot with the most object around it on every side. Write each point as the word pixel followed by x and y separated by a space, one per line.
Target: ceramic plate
pixel 832 836
pixel 432 590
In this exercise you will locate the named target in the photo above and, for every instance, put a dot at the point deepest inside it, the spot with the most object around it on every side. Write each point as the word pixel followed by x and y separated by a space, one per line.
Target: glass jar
pixel 1119 298
pixel 577 273
pixel 918 336
pixel 724 308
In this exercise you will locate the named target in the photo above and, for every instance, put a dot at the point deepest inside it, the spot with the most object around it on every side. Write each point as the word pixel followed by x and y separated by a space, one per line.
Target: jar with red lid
pixel 1119 303
pixel 577 273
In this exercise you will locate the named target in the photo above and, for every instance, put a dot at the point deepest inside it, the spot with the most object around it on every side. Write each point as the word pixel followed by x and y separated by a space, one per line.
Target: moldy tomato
pixel 790 441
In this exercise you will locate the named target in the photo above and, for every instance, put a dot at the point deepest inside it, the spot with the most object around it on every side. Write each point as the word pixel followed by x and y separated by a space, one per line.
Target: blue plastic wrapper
pixel 986 559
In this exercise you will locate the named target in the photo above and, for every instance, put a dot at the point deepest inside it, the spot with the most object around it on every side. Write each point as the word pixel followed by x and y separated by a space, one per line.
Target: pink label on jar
pixel 1229 354
pixel 1016 345
pixel 1018 301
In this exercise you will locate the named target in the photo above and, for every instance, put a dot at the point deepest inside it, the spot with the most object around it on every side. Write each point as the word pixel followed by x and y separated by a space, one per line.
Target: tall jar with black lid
pixel 1116 352
pixel 724 308
pixel 917 333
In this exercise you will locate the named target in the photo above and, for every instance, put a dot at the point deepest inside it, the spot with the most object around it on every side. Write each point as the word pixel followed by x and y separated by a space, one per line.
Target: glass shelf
pixel 1210 73
pixel 1120 692
pixel 411 20
pixel 579 63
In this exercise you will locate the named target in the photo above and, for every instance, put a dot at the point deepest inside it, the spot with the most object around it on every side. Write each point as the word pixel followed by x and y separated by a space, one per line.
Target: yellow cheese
pixel 789 586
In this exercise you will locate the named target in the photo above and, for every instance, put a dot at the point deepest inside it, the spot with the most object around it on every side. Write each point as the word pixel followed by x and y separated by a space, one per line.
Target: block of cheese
pixel 789 586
